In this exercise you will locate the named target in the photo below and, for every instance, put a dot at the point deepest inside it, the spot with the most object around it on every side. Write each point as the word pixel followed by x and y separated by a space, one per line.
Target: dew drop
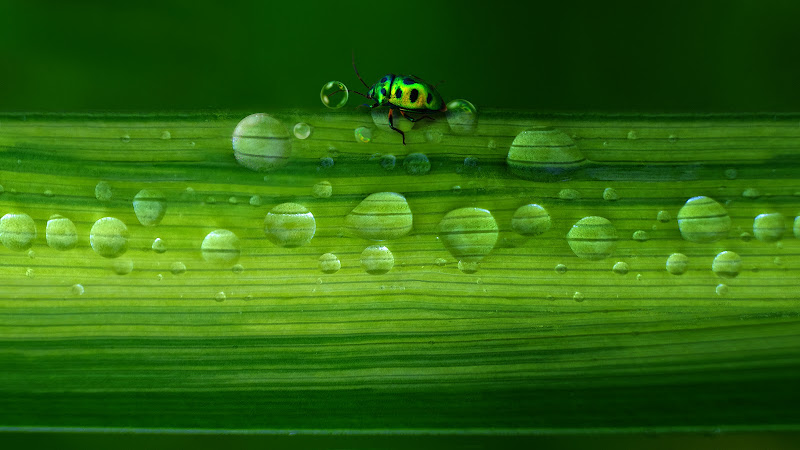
pixel 77 289
pixel 569 194
pixel 727 264
pixel 632 135
pixel 233 200
pixel 261 143
pixel 469 234
pixel 329 263
pixel 702 219
pixel 149 206
pixel 177 268
pixel 610 194
pixel 159 246
pixel 322 189
pixel 592 238
pixel 620 268
pixel 769 227
pixel 363 134
pixel 334 94
pixel 125 138
pixel 543 154
pixel 731 174
pixel 237 269
pixel 255 200
pixel 30 273
pixel 48 193
pixel 381 216
pixel 677 263
pixel 109 237
pixel 462 116
pixel 672 138
pixel 417 164
pixel 290 225
pixel 440 262
pixel 796 228
pixel 578 297
pixel 388 162
pixel 220 246
pixel 664 216
pixel 377 259
pixel 641 235
pixel 325 163
pixel 531 220
pixel 722 289
pixel 102 191
pixel 166 135
pixel 468 266
pixel 220 296
pixel 561 269
pixel 434 136
pixel 122 266
pixel 17 231
pixel 302 130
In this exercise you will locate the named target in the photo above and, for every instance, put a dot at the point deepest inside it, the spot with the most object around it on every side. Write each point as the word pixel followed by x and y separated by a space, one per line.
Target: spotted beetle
pixel 404 94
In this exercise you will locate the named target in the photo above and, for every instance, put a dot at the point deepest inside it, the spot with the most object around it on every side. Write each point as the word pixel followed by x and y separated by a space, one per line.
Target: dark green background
pixel 693 56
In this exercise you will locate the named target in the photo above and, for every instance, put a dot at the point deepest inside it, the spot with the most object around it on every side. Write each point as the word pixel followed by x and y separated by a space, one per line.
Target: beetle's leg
pixel 413 119
pixel 391 125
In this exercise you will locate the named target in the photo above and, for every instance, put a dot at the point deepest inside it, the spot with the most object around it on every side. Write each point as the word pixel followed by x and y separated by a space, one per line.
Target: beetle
pixel 404 94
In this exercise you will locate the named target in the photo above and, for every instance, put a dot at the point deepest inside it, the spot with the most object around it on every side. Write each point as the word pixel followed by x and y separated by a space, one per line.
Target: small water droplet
pixel 462 116
pixel 751 193
pixel 377 260
pixel 102 191
pixel 325 163
pixel 220 297
pixel 468 266
pixel 122 266
pixel 434 136
pixel 363 134
pixel 31 254
pixel 610 194
pixel 531 220
pixel 641 235
pixel 672 138
pixel 417 164
pixel 334 94
pixel 620 268
pixel 702 219
pixel 166 135
pixel 722 289
pixel 177 268
pixel 302 130
pixel 745 236
pixel 561 269
pixel 456 189
pixel 578 297
pixel 233 200
pixel 592 238
pixel 769 227
pixel 125 138
pixel 664 216
pixel 255 200
pixel 109 237
pixel 329 263
pixel 778 261
pixel 220 246
pixel 237 268
pixel 677 263
pixel 388 162
pixel 48 193
pixel 261 143
pixel 727 264
pixel 632 135
pixel 77 289
pixel 290 225
pixel 30 273
pixel 149 205
pixel 569 194
pixel 17 231
pixel 322 189
pixel 731 173
pixel 159 246
pixel 440 261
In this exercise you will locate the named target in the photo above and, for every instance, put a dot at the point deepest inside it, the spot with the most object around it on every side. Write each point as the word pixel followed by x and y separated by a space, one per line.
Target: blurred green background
pixel 677 56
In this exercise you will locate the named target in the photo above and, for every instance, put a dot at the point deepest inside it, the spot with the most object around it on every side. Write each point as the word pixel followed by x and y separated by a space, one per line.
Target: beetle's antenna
pixel 356 70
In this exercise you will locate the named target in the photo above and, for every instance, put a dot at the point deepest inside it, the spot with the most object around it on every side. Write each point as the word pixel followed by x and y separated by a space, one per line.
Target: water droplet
pixel 159 246
pixel 434 136
pixel 377 259
pixel 468 266
pixel 125 138
pixel 639 277
pixel 469 234
pixel 17 231
pixel 592 238
pixel 462 116
pixel 578 297
pixel 322 189
pixel 769 227
pixel 620 268
pixel 610 194
pixel 220 246
pixel 796 228
pixel 722 289
pixel 233 200
pixel 77 289
pixel 334 94
pixel 751 193
pixel 149 206
pixel 122 266
pixel 30 273
pixel 237 268
pixel 177 268
pixel 569 194
pixel 166 135
pixel 381 216
pixel 731 174
pixel 456 189
pixel 220 297
pixel 702 219
pixel 727 264
pixel 109 237
pixel 672 138
pixel 745 236
pixel 440 261
pixel 677 263
pixel 290 225
pixel 417 164
pixel 641 235
pixel 388 162
pixel 664 216
pixel 561 269
pixel 103 191
pixel 31 254
pixel 255 200
pixel 531 220
pixel 210 200
pixel 363 134
pixel 160 277
pixel 302 130
pixel 777 261
pixel 325 163
pixel 48 193
pixel 543 154
pixel 261 143
pixel 329 263
pixel 632 135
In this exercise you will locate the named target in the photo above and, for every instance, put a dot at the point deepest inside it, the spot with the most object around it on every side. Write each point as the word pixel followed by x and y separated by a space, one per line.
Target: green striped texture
pixel 424 346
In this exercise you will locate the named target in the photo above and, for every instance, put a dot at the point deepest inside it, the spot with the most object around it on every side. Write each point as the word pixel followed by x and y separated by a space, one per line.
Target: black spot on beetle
pixel 408 81
pixel 430 97
pixel 414 95
pixel 383 91
pixel 398 93
pixel 384 79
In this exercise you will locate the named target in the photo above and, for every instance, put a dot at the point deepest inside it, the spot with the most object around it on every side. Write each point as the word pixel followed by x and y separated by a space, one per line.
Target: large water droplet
pixel 261 143
pixel 462 116
pixel 531 220
pixel 109 237
pixel 727 264
pixel 592 238
pixel 149 206
pixel 469 234
pixel 621 268
pixel 769 227
pixel 381 216
pixel 417 164
pixel 610 194
pixel 290 225
pixel 377 259
pixel 220 246
pixel 77 289
pixel 363 134
pixel 17 231
pixel 702 219
pixel 329 263
pixel 334 94
pixel 677 263
pixel 543 154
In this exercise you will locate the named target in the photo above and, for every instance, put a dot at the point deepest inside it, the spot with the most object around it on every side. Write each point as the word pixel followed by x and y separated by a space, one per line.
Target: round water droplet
pixel 632 135
pixel 462 116
pixel 255 200
pixel 159 246
pixel 237 268
pixel 731 174
pixel 122 266
pixel 664 216
pixel 388 162
pixel 751 193
pixel 672 138
pixel 722 289
pixel 468 266
pixel 569 194
pixel 380 116
pixel 30 273
pixel 543 154
pixel 702 219
pixel 433 135
pixel 149 206
pixel 727 264
pixel 323 189
pixel 48 193
pixel 125 138
pixel 769 227
pixel 77 289
pixel 220 296
pixel 329 263
pixel 677 263
pixel 796 228
pixel 233 200
pixel 381 216
pixel 302 130
pixel 578 297
pixel 17 231
pixel 334 94
pixel 290 225
pixel 641 235
pixel 177 268
pixel 363 134
pixel 166 135
pixel 220 246
pixel 469 234
pixel 621 268
pixel 531 220
pixel 592 238
pixel 261 143
pixel 377 259
pixel 31 254
pixel 610 194
pixel 325 163
pixel 103 191
pixel 417 164
pixel 109 237
pixel 440 261
pixel 561 269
